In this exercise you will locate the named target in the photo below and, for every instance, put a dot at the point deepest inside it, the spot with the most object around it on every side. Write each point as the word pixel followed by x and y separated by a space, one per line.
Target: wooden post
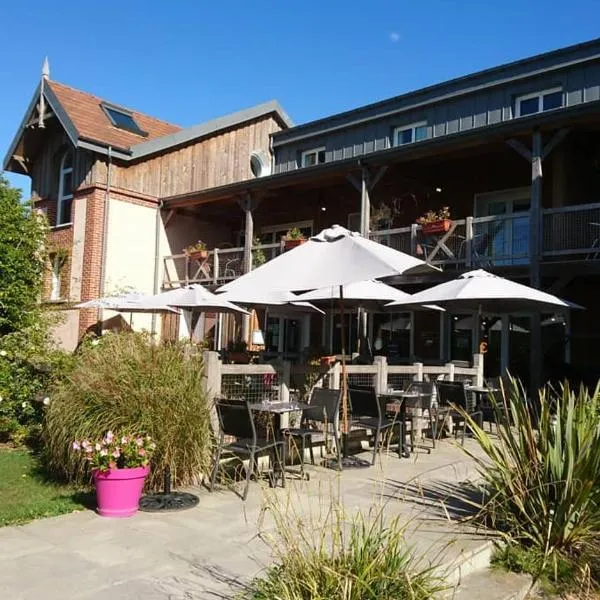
pixel 469 241
pixel 365 203
pixel 211 384
pixel 215 266
pixel 284 384
pixel 450 366
pixel 478 364
pixel 504 344
pixel 414 232
pixel 381 381
pixel 335 376
pixel 419 373
pixel 248 237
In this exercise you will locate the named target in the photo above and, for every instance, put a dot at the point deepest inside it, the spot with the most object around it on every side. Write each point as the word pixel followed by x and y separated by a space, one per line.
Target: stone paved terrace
pixel 209 551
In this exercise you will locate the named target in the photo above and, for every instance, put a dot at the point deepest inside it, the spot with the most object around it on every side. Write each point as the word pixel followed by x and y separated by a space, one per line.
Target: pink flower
pixel 88 449
pixel 124 440
pixel 116 453
pixel 139 441
pixel 112 465
pixel 142 452
pixel 152 446
pixel 97 447
pixel 104 452
pixel 109 437
pixel 76 445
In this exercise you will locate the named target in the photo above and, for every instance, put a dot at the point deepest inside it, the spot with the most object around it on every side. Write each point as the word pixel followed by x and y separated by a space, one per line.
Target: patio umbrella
pixel 194 297
pixel 334 257
pixel 258 298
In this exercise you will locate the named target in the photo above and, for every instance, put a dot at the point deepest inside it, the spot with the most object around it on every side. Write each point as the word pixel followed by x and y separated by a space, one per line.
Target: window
pixel 313 157
pixel 122 119
pixel 410 133
pixel 65 189
pixel 55 280
pixel 259 164
pixel 530 104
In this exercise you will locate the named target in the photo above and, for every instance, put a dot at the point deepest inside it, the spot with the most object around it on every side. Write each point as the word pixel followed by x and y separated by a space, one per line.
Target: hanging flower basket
pixel 441 226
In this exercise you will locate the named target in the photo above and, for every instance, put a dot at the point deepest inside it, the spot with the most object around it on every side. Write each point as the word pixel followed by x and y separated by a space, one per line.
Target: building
pixel 99 171
pixel 514 151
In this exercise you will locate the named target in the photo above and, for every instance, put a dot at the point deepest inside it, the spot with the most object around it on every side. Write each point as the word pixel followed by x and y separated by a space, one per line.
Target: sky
pixel 188 61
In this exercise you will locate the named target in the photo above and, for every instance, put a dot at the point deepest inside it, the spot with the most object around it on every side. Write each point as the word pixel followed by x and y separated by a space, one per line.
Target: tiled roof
pixel 91 121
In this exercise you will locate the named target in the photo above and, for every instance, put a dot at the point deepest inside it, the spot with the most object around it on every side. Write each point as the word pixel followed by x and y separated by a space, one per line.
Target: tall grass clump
pixel 333 557
pixel 541 478
pixel 125 383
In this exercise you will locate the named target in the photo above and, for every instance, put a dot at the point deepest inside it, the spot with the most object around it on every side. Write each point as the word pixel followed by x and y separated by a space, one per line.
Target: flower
pixel 46 401
pixel 116 453
pixel 104 452
pixel 24 404
pixel 95 342
pixel 124 440
pixel 3 352
pixel 1 398
pixel 142 452
pixel 139 442
pixel 76 445
pixel 97 447
pixel 109 437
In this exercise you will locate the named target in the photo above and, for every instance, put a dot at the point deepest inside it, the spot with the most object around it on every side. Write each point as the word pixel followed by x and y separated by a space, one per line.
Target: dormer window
pixel 313 157
pixel 407 134
pixel 122 119
pixel 65 189
pixel 530 104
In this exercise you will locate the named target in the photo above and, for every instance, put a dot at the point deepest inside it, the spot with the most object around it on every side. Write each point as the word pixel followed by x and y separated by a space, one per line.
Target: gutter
pixel 105 232
pixel 156 262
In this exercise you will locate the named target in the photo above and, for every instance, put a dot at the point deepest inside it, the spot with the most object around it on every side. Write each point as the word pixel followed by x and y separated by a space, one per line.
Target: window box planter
pixel 327 361
pixel 437 226
pixel 291 244
pixel 198 255
pixel 118 491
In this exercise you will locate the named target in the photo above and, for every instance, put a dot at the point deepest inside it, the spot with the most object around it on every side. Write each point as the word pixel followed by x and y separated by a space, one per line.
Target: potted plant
pixel 258 254
pixel 197 251
pixel 120 465
pixel 436 221
pixel 237 352
pixel 293 238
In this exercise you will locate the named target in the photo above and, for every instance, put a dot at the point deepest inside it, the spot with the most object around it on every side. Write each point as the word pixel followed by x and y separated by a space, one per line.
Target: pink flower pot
pixel 118 491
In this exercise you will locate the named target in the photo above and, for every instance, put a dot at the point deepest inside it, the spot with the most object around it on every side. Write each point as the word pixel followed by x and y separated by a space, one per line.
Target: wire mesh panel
pixel 255 387
pixel 230 263
pixel 399 381
pixel 572 230
pixel 500 240
pixel 398 239
pixel 304 378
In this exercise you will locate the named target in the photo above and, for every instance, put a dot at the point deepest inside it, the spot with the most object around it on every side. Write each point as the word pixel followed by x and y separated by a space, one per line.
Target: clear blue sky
pixel 189 61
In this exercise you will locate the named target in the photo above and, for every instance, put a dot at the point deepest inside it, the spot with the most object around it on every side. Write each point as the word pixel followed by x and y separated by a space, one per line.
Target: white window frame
pixel 312 151
pixel 62 197
pixel 411 126
pixel 55 279
pixel 540 98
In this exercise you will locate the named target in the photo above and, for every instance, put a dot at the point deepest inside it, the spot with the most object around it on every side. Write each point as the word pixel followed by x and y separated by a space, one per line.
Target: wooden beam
pixel 520 148
pixel 357 184
pixel 377 177
pixel 168 218
pixel 555 140
pixel 365 204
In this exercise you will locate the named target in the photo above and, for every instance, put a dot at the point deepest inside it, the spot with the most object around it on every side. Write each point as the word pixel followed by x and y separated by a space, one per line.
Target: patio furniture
pixel 482 394
pixel 422 403
pixel 367 412
pixel 237 420
pixel 451 395
pixel 324 409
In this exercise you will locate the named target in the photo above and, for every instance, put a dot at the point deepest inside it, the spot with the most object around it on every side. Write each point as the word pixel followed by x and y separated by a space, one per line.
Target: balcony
pixel 570 233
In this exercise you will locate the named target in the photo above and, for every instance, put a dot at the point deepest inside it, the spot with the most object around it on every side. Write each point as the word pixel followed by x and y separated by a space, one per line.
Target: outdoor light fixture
pixel 323 208
pixel 258 338
pixel 438 189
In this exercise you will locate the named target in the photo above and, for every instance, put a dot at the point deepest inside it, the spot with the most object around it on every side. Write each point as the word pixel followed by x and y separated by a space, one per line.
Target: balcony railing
pixel 567 233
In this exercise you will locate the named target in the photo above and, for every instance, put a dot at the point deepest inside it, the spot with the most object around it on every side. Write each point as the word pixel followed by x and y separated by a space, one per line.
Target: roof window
pixel 122 119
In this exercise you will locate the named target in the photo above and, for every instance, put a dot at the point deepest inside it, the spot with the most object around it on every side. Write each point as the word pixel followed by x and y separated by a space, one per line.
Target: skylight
pixel 122 119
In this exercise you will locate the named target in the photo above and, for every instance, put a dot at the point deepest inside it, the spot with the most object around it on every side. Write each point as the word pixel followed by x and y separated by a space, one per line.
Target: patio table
pixel 406 399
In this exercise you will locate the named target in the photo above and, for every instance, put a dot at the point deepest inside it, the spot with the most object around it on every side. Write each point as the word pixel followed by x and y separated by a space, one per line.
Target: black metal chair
pixel 324 409
pixel 237 420
pixel 452 395
pixel 424 403
pixel 367 412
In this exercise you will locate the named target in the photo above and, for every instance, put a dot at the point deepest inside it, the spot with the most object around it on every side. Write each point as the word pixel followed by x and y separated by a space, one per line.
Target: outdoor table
pixel 279 408
pixel 406 398
pixel 479 391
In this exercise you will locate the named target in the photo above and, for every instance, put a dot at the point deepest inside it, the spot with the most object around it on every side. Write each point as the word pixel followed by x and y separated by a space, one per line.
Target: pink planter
pixel 118 491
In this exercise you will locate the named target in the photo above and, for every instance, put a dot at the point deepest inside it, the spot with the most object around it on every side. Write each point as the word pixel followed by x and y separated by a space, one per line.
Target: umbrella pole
pixel 344 376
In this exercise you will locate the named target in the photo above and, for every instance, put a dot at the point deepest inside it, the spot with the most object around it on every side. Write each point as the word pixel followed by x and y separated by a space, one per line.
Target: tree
pixel 22 260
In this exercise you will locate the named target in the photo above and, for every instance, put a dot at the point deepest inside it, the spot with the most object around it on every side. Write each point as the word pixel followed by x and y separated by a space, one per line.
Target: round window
pixel 259 164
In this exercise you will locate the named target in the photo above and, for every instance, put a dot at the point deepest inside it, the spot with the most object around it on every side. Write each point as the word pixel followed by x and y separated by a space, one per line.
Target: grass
pixel 27 494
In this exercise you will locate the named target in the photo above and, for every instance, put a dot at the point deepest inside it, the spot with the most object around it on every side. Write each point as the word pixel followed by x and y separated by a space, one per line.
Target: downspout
pixel 156 260
pixel 105 232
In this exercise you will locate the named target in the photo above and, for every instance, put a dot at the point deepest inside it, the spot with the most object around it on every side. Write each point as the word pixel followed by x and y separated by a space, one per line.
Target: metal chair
pixel 237 420
pixel 324 409
pixel 452 395
pixel 425 388
pixel 367 412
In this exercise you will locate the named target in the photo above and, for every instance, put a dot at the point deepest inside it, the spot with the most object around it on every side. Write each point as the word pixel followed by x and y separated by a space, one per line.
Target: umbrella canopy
pixel 132 302
pixel 467 323
pixel 335 256
pixel 370 294
pixel 480 290
pixel 285 301
pixel 194 297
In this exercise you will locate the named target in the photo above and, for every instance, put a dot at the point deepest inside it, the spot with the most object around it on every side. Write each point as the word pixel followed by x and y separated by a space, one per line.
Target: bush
pixel 333 558
pixel 542 477
pixel 29 364
pixel 123 382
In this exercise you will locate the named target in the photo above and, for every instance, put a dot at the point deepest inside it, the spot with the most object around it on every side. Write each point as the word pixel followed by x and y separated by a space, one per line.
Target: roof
pixel 87 125
pixel 90 121
pixel 460 86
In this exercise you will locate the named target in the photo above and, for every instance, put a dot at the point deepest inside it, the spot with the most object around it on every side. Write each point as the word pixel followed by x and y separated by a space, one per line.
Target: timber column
pixel 248 205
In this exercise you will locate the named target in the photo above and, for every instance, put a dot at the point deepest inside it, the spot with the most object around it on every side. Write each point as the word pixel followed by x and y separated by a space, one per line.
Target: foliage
pixel 542 475
pixel 29 365
pixel 341 559
pixel 258 254
pixel 125 382
pixel 198 246
pixel 117 451
pixel 432 216
pixel 22 260
pixel 26 493
pixel 294 234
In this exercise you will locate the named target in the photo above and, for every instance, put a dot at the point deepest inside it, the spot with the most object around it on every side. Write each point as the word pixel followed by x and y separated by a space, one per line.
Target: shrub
pixel 334 558
pixel 542 476
pixel 123 382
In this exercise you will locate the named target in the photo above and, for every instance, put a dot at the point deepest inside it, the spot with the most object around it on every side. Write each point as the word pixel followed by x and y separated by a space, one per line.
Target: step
pixel 491 584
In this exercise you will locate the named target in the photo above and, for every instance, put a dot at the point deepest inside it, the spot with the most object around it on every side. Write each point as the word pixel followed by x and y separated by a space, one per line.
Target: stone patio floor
pixel 211 550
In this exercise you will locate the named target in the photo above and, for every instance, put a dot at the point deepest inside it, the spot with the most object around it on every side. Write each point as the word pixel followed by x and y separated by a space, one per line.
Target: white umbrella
pixel 479 290
pixel 194 297
pixel 269 298
pixel 467 324
pixel 132 302
pixel 335 256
